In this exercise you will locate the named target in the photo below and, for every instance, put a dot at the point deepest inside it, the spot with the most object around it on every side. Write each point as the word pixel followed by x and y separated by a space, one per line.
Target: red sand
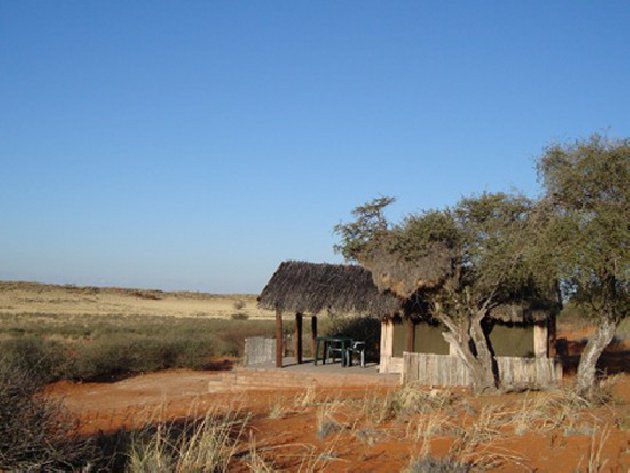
pixel 182 393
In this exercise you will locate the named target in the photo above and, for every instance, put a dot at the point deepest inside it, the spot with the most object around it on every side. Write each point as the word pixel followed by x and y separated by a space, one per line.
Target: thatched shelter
pixel 302 287
pixel 299 287
pixel 518 330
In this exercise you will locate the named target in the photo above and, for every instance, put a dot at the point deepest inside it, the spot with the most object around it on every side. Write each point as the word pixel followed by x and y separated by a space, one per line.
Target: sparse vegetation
pixel 436 465
pixel 36 434
pixel 278 408
pixel 415 417
pixel 326 422
pixel 107 347
pixel 64 301
pixel 207 445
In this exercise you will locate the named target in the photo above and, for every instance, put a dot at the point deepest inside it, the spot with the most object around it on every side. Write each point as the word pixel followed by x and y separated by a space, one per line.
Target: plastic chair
pixel 356 347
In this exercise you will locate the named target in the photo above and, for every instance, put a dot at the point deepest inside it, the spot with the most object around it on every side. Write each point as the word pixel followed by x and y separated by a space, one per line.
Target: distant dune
pixel 22 297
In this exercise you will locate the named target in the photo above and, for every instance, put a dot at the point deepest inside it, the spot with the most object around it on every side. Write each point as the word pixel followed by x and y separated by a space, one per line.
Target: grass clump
pixel 278 409
pixel 326 422
pixel 436 465
pixel 207 445
pixel 412 399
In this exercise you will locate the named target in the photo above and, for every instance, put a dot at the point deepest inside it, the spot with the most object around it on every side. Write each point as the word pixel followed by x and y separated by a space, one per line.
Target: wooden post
pixel 411 334
pixel 314 336
pixel 279 348
pixel 551 336
pixel 540 340
pixel 386 345
pixel 297 338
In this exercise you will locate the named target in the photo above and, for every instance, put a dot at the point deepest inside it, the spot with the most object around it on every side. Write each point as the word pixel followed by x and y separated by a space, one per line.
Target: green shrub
pixel 91 348
pixel 44 360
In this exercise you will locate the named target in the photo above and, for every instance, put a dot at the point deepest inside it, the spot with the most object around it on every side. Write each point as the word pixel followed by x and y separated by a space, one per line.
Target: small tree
pixel 463 261
pixel 238 304
pixel 584 235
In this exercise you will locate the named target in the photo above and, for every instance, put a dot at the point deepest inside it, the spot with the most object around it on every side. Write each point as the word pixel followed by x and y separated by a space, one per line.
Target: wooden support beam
pixel 540 340
pixel 411 334
pixel 279 347
pixel 314 336
pixel 297 338
pixel 551 336
pixel 387 340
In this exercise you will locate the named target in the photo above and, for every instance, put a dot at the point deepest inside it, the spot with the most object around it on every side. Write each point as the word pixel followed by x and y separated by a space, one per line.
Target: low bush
pixel 43 360
pixel 91 348
pixel 36 434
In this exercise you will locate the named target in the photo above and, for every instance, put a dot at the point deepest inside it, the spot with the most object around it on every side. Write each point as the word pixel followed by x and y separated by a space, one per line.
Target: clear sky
pixel 195 145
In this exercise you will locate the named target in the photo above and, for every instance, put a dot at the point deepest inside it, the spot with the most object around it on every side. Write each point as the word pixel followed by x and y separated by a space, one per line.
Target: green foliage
pixel 494 234
pixel 584 232
pixel 418 234
pixel 108 347
pixel 484 235
pixel 460 263
pixel 43 360
pixel 359 236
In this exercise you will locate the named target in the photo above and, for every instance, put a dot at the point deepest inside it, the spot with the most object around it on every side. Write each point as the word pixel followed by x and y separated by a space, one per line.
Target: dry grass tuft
pixel 206 445
pixel 326 422
pixel 278 408
pixel 595 462
pixel 412 399
pixel 426 464
pixel 307 398
pixel 254 461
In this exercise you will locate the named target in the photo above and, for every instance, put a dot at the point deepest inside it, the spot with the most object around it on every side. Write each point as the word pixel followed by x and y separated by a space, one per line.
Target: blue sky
pixel 195 145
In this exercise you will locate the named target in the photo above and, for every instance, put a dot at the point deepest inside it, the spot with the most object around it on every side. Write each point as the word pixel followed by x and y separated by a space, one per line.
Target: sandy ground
pixel 359 443
pixel 382 447
pixel 35 298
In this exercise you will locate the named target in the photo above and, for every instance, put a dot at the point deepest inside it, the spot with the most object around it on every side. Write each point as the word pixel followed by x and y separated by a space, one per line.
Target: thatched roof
pixel 313 288
pixel 349 289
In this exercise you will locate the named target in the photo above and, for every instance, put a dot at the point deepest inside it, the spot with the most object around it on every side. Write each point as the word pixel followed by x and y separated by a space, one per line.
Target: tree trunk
pixel 486 379
pixel 459 336
pixel 593 350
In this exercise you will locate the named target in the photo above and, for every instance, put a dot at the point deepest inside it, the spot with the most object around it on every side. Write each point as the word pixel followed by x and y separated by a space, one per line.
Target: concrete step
pixel 266 377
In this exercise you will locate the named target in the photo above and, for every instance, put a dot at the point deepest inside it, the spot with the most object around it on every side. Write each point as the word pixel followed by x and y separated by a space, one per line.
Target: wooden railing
pixel 449 370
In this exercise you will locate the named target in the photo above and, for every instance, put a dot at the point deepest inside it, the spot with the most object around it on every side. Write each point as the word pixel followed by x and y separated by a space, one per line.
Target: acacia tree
pixel 463 261
pixel 584 236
